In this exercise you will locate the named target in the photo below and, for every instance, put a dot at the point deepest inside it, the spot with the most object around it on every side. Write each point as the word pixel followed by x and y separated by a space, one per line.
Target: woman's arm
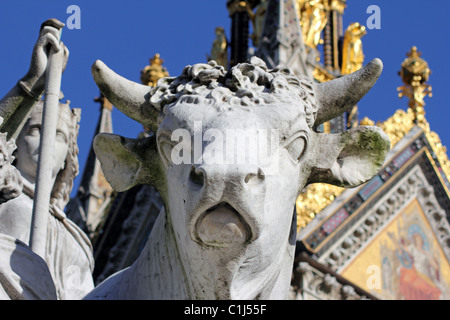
pixel 17 103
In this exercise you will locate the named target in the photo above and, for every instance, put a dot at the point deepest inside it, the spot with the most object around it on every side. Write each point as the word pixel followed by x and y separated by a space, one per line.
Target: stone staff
pixel 39 221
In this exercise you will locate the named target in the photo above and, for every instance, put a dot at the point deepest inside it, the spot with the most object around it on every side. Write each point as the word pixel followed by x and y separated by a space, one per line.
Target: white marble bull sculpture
pixel 227 230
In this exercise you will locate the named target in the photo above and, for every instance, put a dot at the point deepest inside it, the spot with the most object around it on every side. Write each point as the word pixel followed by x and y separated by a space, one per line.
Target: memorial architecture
pixel 39 257
pixel 387 239
pixel 366 216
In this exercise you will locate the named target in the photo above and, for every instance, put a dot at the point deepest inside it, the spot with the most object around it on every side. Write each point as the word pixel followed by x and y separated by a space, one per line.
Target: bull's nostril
pixel 196 176
pixel 253 178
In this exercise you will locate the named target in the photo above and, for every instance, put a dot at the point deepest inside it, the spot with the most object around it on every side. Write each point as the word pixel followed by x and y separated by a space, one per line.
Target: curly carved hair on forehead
pixel 64 180
pixel 7 147
pixel 244 85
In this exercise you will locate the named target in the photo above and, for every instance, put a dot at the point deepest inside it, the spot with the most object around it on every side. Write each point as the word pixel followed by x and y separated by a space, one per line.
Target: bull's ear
pixel 350 158
pixel 128 162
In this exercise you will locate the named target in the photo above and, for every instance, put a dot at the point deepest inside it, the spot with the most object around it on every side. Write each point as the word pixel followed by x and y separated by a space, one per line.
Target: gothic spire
pixel 88 207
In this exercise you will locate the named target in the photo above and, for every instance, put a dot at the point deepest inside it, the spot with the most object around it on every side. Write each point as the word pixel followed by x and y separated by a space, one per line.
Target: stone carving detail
pixel 68 250
pixel 227 231
pixel 312 284
pixel 211 241
pixel 10 179
pixel 281 41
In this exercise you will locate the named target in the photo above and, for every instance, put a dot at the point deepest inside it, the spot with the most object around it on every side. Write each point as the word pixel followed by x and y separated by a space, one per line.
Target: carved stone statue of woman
pixel 68 251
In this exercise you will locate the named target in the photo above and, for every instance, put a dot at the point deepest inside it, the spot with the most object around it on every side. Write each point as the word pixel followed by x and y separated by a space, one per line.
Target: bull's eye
pixel 165 147
pixel 296 146
pixel 175 147
pixel 34 130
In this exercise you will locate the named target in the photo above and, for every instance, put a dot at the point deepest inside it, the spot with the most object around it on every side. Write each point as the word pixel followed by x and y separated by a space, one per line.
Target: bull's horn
pixel 129 97
pixel 337 96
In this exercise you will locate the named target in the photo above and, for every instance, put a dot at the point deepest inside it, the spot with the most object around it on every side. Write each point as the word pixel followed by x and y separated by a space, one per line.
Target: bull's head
pixel 214 201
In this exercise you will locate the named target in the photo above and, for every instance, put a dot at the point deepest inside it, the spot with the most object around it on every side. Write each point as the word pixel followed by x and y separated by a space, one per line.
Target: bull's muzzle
pixel 222 226
pixel 231 201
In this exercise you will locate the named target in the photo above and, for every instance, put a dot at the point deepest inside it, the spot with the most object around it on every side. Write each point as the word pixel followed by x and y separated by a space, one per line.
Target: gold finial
pixel 153 72
pixel 104 102
pixel 338 5
pixel 239 6
pixel 415 73
pixel 366 122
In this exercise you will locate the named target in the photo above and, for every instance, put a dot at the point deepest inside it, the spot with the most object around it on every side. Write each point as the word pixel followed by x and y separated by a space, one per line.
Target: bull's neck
pixel 158 272
pixel 163 271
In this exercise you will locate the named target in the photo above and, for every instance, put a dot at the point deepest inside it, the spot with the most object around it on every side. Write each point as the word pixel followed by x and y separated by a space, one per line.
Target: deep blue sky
pixel 125 34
